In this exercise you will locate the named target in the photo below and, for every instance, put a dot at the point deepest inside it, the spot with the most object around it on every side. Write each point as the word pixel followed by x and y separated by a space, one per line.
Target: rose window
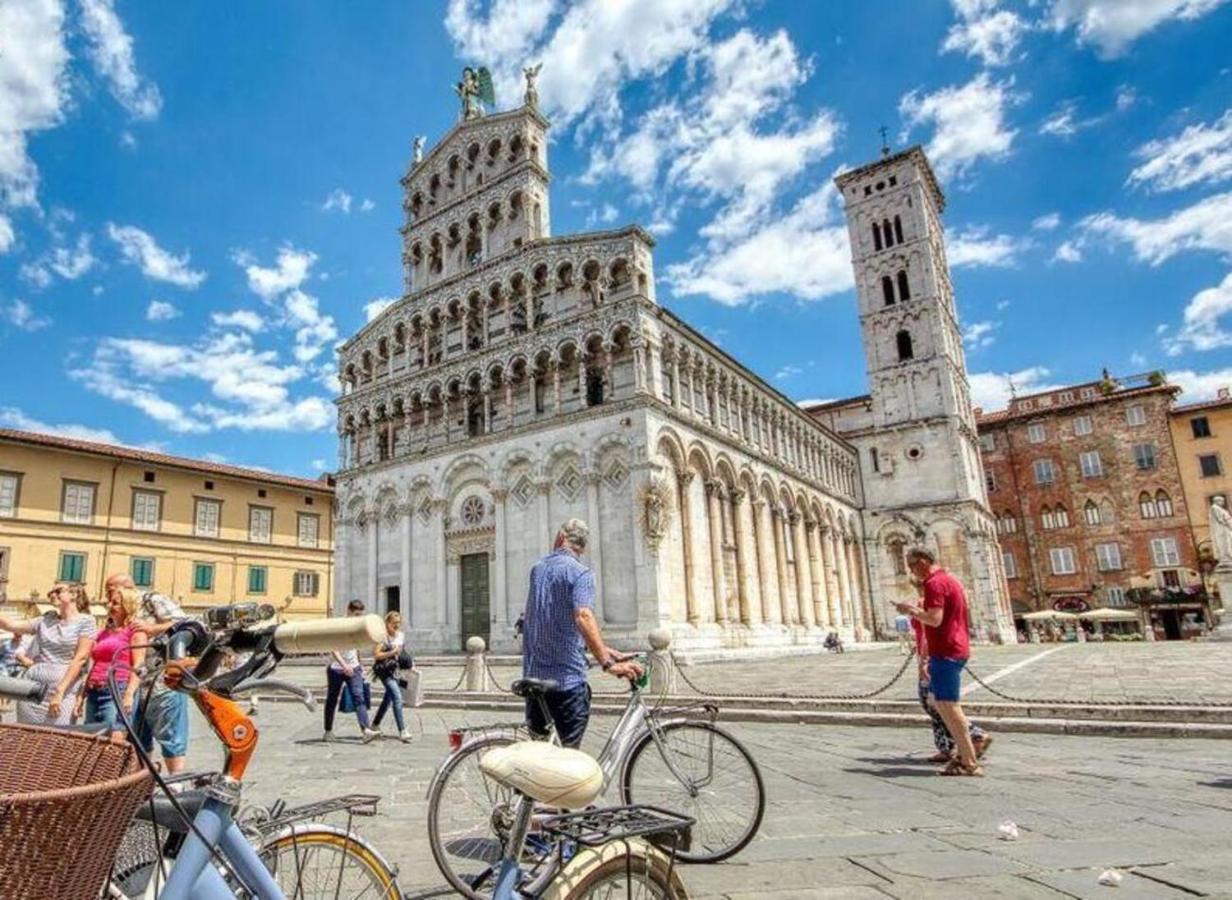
pixel 472 511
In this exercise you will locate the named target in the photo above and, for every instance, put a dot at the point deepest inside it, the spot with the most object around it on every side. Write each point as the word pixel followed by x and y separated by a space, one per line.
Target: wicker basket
pixel 65 802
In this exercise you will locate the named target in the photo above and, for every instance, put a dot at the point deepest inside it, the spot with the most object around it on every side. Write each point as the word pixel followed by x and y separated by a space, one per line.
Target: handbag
pixel 346 703
pixel 404 660
pixel 412 689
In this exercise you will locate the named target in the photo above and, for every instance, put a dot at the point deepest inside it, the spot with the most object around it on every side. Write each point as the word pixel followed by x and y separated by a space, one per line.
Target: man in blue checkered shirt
pixel 559 625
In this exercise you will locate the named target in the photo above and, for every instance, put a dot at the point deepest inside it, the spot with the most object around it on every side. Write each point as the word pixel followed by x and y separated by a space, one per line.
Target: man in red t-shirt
pixel 944 617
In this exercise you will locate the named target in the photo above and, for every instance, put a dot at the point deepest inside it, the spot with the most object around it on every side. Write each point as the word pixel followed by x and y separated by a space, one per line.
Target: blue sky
pixel 198 201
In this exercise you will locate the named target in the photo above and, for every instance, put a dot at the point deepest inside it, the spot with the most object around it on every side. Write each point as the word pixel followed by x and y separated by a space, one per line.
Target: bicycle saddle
pixel 569 779
pixel 529 687
pixel 164 814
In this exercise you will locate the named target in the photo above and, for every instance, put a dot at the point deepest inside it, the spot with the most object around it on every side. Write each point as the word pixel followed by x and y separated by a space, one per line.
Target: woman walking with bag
pixel 345 672
pixel 390 656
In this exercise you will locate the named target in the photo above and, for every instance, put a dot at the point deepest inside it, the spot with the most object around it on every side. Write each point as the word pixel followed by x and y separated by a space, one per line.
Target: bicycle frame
pixel 194 875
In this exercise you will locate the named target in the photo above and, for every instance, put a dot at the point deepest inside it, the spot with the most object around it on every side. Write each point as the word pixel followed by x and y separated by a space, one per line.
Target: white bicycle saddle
pixel 569 779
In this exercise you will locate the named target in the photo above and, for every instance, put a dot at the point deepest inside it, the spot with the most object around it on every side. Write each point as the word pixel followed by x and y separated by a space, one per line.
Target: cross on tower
pixel 885 141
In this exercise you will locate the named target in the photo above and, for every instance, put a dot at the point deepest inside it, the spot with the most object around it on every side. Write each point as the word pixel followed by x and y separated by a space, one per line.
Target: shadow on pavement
pixel 922 771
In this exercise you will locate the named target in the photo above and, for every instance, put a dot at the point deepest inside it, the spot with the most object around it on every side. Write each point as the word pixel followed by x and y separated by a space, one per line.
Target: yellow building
pixel 1202 438
pixel 200 532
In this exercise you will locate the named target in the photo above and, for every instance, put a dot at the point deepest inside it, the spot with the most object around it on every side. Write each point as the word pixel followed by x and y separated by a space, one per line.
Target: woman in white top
pixel 345 669
pixel 385 667
pixel 62 643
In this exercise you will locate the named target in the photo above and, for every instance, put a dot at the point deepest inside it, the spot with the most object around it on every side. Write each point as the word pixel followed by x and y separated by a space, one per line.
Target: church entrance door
pixel 475 597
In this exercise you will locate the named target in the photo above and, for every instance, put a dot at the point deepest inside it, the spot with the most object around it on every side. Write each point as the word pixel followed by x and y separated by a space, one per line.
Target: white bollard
pixel 663 667
pixel 476 665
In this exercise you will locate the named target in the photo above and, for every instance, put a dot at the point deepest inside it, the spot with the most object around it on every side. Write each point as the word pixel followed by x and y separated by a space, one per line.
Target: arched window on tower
pixel 1061 515
pixel 1046 518
pixel 904 289
pixel 1163 504
pixel 886 233
pixel 898 230
pixel 887 290
pixel 1091 512
pixel 876 236
pixel 1146 505
pixel 905 350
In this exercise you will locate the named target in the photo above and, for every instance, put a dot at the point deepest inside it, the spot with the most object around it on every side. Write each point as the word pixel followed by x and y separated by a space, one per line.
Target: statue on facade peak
pixel 1221 532
pixel 532 92
pixel 474 90
pixel 417 146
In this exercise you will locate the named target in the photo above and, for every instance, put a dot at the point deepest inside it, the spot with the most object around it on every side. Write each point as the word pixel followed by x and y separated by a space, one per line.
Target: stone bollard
pixel 663 667
pixel 476 665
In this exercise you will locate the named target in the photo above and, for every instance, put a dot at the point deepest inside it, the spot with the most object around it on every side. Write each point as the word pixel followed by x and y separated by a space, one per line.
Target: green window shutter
pixel 203 577
pixel 72 567
pixel 143 572
pixel 256 579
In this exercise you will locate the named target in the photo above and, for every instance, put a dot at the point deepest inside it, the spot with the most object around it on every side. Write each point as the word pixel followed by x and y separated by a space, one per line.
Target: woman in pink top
pixel 115 647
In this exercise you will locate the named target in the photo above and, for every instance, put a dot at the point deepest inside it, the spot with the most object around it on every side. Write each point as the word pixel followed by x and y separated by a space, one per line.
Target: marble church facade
pixel 524 378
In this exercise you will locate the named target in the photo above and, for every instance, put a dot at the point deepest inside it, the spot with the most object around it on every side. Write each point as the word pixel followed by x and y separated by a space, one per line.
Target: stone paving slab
pixel 852 812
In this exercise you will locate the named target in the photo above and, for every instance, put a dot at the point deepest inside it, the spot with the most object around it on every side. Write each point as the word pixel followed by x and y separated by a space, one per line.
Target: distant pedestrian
pixel 559 626
pixel 60 652
pixel 344 671
pixel 833 642
pixel 385 666
pixel 944 617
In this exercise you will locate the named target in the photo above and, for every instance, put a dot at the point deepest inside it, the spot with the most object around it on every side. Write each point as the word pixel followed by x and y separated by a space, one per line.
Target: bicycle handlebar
pixel 22 689
pixel 324 635
pixel 275 686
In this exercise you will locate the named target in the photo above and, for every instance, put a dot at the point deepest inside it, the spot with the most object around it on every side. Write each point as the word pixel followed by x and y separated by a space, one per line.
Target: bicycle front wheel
pixel 703 772
pixel 317 862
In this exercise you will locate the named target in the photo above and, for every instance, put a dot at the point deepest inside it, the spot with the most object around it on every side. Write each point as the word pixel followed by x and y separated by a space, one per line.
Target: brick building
pixel 1086 492
pixel 1202 436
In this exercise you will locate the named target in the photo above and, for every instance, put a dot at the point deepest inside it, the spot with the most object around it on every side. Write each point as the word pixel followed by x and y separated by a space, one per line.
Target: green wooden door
pixel 475 599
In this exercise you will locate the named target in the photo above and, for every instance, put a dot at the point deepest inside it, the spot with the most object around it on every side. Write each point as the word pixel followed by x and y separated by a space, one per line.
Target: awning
pixel 1111 615
pixel 1045 615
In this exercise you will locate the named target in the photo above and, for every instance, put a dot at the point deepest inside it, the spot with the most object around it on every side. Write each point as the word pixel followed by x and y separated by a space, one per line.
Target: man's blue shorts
pixel 165 721
pixel 945 678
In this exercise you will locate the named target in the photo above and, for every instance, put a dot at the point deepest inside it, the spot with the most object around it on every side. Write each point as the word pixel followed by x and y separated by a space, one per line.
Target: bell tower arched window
pixel 885 230
pixel 876 236
pixel 898 230
pixel 887 290
pixel 905 350
pixel 904 289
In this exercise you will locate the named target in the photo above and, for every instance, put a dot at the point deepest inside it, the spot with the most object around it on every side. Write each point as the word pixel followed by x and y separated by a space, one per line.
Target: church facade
pixel 526 378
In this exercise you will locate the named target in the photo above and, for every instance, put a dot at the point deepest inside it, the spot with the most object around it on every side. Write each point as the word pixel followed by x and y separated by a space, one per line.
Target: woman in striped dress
pixel 63 640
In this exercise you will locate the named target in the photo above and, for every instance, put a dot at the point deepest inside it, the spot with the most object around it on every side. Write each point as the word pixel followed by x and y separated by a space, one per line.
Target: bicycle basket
pixel 65 802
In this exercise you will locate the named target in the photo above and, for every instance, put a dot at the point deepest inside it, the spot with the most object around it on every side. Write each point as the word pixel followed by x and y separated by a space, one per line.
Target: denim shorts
pixel 945 678
pixel 570 712
pixel 165 721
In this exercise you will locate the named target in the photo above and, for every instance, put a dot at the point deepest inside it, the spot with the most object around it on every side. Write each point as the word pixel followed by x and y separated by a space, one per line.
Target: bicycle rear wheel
pixel 721 790
pixel 317 862
pixel 608 873
pixel 469 816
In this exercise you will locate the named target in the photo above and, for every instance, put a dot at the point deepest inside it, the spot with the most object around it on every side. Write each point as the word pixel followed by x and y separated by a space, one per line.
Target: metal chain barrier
pixel 492 675
pixel 1127 701
pixel 786 696
pixel 461 678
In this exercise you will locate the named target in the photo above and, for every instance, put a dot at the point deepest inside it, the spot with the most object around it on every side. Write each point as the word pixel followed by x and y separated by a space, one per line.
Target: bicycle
pixel 671 758
pixel 216 858
pixel 540 773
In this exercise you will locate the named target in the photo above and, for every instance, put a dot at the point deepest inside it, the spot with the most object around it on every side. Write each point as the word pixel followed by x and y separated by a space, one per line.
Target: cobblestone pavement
pixel 852 812
pixel 1154 672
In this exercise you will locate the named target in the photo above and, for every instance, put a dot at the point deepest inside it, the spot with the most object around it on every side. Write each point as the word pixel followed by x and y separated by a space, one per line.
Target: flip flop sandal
pixel 940 758
pixel 982 747
pixel 957 768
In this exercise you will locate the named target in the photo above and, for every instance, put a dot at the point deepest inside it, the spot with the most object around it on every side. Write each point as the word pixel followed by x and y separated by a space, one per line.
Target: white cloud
pixel 980 334
pixel 1198 386
pixel 804 253
pixel 969 123
pixel 786 372
pixel 111 51
pixel 604 214
pixel 250 389
pixel 1201 154
pixel 34 90
pixel 7 237
pixel 367 205
pixel 1062 123
pixel 974 246
pixel 1068 252
pixel 161 311
pixel 21 315
pixel 1137 360
pixel 240 318
pixel 319 465
pixel 1206 225
pixel 1126 97
pixel 986 32
pixel 992 390
pixel 337 201
pixel 70 263
pixel 314 331
pixel 140 248
pixel 11 417
pixel 1112 25
pixel 1047 222
pixel 1201 328
pixel 288 274
pixel 377 306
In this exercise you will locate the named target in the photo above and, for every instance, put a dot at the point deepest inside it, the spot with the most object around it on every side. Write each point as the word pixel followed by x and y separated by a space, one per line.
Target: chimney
pixel 1223 393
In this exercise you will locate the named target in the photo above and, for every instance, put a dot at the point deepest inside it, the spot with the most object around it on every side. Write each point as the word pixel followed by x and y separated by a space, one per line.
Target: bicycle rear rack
pixel 593 827
pixel 351 804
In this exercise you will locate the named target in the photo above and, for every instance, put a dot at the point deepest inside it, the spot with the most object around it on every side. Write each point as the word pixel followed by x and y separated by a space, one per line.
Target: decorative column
pixel 499 495
pixel 844 577
pixel 596 541
pixel 581 377
pixel 487 320
pixel 714 513
pixel 639 368
pixel 684 479
pixel 373 522
pixel 804 575
pixel 763 566
pixel 742 562
pixel 485 401
pixel 548 529
pixel 442 568
pixel 409 615
pixel 820 613
pixel 424 361
pixel 830 566
pixel 676 391
pixel 445 416
pixel 853 581
pixel 555 364
pixel 780 558
pixel 508 403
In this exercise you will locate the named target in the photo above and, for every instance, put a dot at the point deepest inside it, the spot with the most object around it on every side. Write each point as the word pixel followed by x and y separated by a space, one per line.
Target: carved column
pixel 844 577
pixel 555 386
pixel 581 377
pixel 409 614
pixel 596 540
pixel 485 401
pixel 508 403
pixel 742 562
pixel 442 569
pixel 830 565
pixel 639 369
pixel 465 334
pixel 714 513
pixel 763 563
pixel 487 322
pixel 683 480
pixel 820 613
pixel 676 389
pixel 374 523
pixel 607 363
pixel 424 361
pixel 804 574
pixel 853 579
pixel 499 496
pixel 546 527
pixel 780 558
